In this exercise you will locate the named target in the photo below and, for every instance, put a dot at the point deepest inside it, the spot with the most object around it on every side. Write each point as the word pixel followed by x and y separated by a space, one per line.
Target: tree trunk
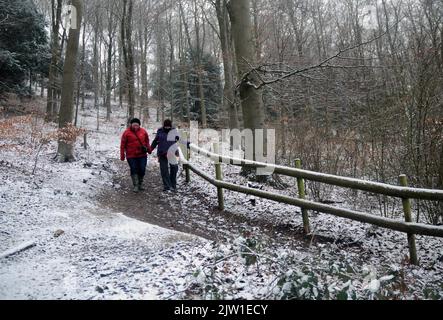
pixel 251 99
pixel 130 68
pixel 186 109
pixel 110 54
pixel 96 63
pixel 42 84
pixel 257 42
pixel 186 93
pixel 59 76
pixel 114 72
pixel 137 87
pixel 440 171
pixel 121 68
pixel 80 89
pixel 199 67
pixel 201 94
pixel 144 66
pixel 109 82
pixel 128 56
pixel 109 67
pixel 228 90
pixel 65 149
pixel 53 67
pixel 171 67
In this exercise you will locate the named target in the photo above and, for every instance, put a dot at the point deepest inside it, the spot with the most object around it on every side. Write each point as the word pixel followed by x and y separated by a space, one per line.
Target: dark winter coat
pixel 131 146
pixel 164 140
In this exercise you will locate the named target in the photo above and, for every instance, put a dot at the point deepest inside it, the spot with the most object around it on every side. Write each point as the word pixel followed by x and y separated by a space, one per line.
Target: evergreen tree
pixel 212 87
pixel 24 51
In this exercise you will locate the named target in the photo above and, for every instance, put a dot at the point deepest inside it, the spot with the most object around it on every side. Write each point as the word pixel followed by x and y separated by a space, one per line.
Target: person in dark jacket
pixel 134 147
pixel 165 142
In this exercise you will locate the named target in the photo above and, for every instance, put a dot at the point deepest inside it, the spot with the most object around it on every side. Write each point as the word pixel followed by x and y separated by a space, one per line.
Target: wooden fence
pixel 401 191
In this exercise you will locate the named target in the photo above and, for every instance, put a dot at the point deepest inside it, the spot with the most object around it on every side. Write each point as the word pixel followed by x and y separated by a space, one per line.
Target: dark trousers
pixel 138 166
pixel 169 173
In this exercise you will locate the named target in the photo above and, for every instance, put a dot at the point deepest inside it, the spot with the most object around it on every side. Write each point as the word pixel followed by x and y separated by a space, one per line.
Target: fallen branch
pixel 13 251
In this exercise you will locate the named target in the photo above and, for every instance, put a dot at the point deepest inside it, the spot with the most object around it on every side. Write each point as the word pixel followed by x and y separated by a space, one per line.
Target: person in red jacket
pixel 135 148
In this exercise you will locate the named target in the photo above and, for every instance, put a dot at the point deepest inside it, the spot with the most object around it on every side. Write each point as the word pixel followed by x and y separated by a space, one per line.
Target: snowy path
pixel 189 210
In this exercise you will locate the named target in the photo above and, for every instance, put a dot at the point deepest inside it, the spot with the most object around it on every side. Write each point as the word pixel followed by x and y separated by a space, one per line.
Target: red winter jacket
pixel 131 146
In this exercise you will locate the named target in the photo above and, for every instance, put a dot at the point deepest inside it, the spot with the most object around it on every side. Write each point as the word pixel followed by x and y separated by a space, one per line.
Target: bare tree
pixel 65 145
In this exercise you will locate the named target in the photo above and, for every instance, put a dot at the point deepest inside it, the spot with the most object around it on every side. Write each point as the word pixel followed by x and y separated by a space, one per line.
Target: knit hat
pixel 135 120
pixel 167 123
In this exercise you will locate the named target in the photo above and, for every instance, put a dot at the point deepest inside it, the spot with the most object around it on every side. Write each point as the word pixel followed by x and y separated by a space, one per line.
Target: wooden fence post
pixel 85 140
pixel 408 218
pixel 219 176
pixel 302 195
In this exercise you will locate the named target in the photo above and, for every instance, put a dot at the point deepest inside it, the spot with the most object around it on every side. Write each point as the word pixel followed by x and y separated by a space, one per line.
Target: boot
pixel 135 182
pixel 140 183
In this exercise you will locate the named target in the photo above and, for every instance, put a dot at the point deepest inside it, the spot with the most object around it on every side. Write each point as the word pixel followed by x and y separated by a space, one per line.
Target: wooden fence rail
pixel 352 183
pixel 403 192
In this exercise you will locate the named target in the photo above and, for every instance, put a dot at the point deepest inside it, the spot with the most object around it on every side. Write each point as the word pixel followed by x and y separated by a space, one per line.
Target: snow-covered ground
pixel 348 258
pixel 82 251
pixel 86 250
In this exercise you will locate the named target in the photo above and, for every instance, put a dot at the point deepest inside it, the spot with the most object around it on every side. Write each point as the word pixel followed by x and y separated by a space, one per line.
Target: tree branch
pixel 288 74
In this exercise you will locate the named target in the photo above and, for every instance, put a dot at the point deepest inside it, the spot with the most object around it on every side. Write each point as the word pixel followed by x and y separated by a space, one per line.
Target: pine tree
pixel 211 84
pixel 24 51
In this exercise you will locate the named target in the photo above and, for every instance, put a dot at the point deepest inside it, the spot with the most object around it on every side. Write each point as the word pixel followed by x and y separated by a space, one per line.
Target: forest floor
pixel 95 239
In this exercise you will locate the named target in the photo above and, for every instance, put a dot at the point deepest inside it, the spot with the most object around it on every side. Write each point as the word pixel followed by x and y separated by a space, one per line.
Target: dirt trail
pixel 189 210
